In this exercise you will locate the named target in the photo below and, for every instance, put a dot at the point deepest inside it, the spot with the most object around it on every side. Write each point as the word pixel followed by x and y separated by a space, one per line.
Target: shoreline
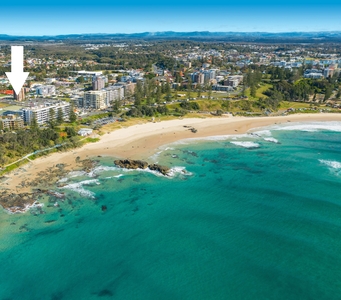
pixel 143 140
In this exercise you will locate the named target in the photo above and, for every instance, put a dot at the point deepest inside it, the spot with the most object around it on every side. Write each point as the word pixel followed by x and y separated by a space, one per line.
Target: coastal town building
pixel 233 81
pixel 98 82
pixel 95 99
pixel 84 131
pixel 328 72
pixel 11 122
pixel 223 88
pixel 114 93
pixel 89 73
pixel 313 73
pixel 20 96
pixel 42 113
pixel 129 87
pixel 46 90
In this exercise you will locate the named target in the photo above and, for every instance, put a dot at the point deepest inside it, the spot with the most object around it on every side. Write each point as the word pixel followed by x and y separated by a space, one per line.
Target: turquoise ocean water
pixel 256 216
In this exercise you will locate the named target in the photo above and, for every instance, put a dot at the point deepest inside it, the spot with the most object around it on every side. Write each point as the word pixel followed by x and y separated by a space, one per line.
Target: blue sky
pixel 75 16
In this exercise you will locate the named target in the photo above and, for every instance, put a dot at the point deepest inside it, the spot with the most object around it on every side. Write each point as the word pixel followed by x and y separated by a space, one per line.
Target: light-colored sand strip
pixel 142 141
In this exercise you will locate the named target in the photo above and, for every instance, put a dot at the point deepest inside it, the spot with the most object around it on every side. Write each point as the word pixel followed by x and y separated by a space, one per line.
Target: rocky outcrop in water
pixel 131 164
pixel 40 185
pixel 21 202
pixel 140 164
pixel 161 169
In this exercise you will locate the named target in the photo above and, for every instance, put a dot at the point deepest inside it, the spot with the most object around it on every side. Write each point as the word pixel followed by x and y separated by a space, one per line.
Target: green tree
pixel 138 93
pixel 70 131
pixel 226 105
pixel 209 92
pixel 167 88
pixel 72 115
pixel 137 101
pixel 158 94
pixel 52 115
pixel 327 93
pixel 60 116
pixel 253 91
pixel 338 94
pixel 198 90
pixel 34 125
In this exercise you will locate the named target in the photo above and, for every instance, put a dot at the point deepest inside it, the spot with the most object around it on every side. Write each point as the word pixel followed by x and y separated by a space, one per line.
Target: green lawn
pixel 262 89
pixel 259 92
pixel 287 104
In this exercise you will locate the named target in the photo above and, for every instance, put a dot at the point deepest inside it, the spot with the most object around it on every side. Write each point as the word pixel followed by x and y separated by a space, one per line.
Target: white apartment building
pixel 114 93
pixel 98 82
pixel 42 113
pixel 46 90
pixel 95 99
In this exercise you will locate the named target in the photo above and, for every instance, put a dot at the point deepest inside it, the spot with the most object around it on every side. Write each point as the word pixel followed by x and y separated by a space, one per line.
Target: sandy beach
pixel 142 141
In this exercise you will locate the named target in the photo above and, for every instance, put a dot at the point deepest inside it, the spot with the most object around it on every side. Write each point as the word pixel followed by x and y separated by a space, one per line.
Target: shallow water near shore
pixel 255 216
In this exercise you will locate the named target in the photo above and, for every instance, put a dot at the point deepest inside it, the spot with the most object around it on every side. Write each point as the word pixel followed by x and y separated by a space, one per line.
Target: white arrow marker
pixel 17 77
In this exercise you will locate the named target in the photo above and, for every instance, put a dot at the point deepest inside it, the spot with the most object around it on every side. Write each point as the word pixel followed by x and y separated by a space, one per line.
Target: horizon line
pixel 172 31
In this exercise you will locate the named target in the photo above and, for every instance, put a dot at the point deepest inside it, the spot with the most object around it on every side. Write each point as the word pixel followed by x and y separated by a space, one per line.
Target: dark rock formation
pixel 131 164
pixel 18 202
pixel 139 164
pixel 162 169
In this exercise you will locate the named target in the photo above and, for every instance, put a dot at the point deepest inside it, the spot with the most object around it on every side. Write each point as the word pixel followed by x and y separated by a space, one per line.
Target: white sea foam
pixel 16 209
pixel 212 138
pixel 78 187
pixel 173 172
pixel 65 179
pixel 262 133
pixel 161 149
pixel 246 144
pixel 73 174
pixel 100 169
pixel 331 163
pixel 111 177
pixel 271 139
pixel 311 127
pixel 155 156
pixel 118 176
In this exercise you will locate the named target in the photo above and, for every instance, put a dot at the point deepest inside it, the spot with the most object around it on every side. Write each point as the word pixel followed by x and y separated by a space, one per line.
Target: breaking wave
pixel 331 163
pixel 310 127
pixel 78 187
pixel 249 145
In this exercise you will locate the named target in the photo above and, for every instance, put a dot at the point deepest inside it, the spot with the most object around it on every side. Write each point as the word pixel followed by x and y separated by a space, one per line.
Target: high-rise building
pixel 95 99
pixel 201 78
pixel 20 96
pixel 98 83
pixel 194 77
pixel 43 113
pixel 128 88
pixel 114 93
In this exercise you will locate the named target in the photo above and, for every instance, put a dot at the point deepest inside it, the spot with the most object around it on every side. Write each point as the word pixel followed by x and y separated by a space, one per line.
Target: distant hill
pixel 308 37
